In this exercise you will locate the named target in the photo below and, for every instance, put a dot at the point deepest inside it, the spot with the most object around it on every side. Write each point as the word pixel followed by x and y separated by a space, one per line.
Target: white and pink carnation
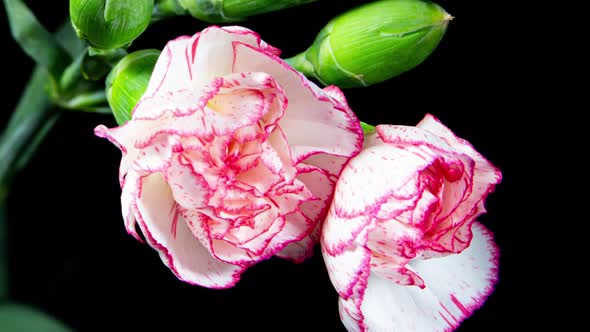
pixel 231 156
pixel 400 241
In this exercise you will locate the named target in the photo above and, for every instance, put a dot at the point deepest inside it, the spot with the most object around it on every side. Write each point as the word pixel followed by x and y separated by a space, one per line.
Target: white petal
pixel 314 122
pixel 167 232
pixel 482 165
pixel 170 72
pixel 456 285
pixel 348 267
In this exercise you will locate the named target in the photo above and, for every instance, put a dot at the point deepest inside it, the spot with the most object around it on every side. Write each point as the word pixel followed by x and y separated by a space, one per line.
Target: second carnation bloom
pixel 231 156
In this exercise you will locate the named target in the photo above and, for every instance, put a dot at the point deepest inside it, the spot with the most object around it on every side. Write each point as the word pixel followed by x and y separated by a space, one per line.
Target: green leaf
pixel 3 255
pixel 27 153
pixel 31 113
pixel 20 318
pixel 34 39
pixel 67 38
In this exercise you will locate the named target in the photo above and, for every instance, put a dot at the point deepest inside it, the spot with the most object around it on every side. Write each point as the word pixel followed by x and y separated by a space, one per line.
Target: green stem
pixel 167 8
pixel 86 100
pixel 243 9
pixel 301 64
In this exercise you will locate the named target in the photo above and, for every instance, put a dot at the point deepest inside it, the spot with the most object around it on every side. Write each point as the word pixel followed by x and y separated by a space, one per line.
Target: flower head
pixel 400 241
pixel 230 156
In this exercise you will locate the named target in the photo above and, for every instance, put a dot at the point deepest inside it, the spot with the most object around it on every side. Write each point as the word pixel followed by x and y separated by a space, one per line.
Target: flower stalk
pixel 221 11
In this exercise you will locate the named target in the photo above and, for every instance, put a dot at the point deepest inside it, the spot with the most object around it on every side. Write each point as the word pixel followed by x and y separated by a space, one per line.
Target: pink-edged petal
pixel 260 178
pixel 350 308
pixel 189 188
pixel 395 269
pixel 338 233
pixel 179 103
pixel 289 198
pixel 383 171
pixel 321 185
pixel 314 122
pixel 409 135
pixel 199 225
pixel 296 227
pixel 393 238
pixel 171 71
pixel 213 55
pixel 167 232
pixel 300 250
pixel 348 267
pixel 253 39
pixel 456 285
pixel 263 226
pixel 433 125
pixel 457 237
pixel 238 205
pixel 131 189
pixel 124 142
pixel 258 242
pixel 336 94
pixel 486 175
pixel 388 174
pixel 219 110
pixel 330 163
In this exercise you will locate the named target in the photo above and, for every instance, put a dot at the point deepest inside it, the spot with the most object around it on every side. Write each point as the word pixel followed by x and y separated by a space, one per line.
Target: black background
pixel 71 257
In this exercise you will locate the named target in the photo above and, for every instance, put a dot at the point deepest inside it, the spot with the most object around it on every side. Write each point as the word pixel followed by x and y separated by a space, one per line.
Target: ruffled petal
pixel 165 230
pixel 189 188
pixel 349 267
pixel 221 108
pixel 456 285
pixel 213 55
pixel 300 250
pixel 171 70
pixel 366 184
pixel 486 174
pixel 321 185
pixel 131 189
pixel 314 122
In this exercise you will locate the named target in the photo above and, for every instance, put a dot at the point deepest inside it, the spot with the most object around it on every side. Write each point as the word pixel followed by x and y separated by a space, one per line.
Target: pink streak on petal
pixel 189 188
pixel 456 285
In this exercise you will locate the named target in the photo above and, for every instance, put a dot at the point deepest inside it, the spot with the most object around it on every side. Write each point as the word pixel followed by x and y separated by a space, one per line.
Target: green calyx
pixel 225 11
pixel 374 42
pixel 107 24
pixel 127 82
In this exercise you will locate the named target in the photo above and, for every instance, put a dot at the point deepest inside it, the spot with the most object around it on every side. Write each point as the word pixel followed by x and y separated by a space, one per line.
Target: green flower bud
pixel 220 11
pixel 110 24
pixel 374 42
pixel 128 81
